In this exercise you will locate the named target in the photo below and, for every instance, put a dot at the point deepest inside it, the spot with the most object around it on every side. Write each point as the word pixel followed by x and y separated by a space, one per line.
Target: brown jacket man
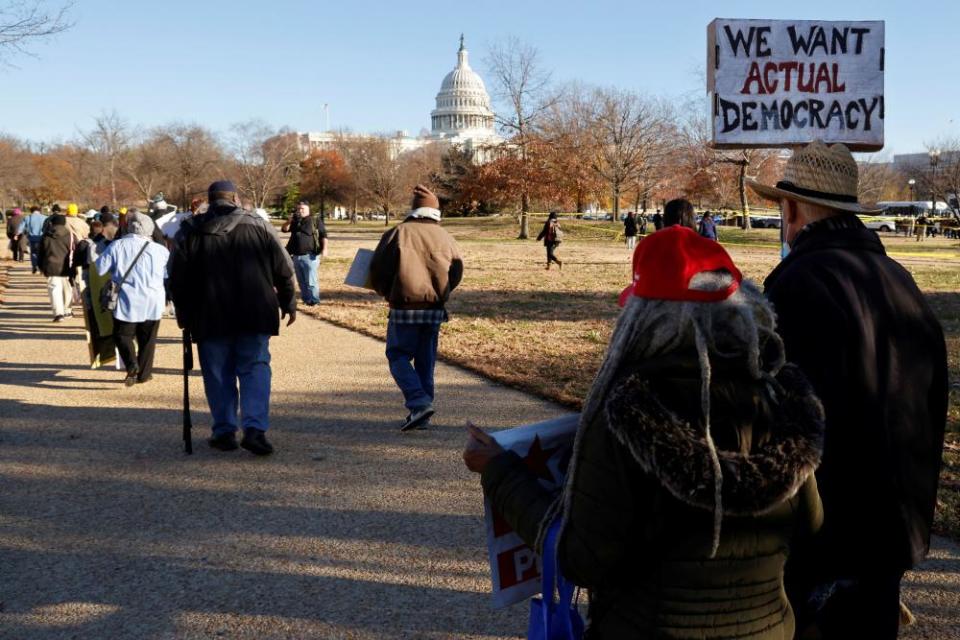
pixel 415 267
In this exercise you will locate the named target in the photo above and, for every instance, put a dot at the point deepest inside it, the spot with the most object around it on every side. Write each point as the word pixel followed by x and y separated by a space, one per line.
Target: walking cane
pixel 187 367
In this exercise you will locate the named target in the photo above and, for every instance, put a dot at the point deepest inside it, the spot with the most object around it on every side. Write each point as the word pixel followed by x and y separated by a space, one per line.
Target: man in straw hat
pixel 858 326
pixel 692 469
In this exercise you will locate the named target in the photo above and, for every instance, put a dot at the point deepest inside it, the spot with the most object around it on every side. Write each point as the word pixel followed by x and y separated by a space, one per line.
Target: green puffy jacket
pixel 638 506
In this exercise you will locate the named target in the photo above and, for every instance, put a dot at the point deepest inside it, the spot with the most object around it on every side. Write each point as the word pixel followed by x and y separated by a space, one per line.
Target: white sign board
pixel 545 448
pixel 782 83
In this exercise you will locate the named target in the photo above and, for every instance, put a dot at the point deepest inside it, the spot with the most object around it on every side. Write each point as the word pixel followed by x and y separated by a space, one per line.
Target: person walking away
pixel 630 230
pixel 551 235
pixel 920 229
pixel 707 227
pixel 642 224
pixel 14 222
pixel 80 230
pixel 231 281
pixel 854 320
pixel 32 227
pixel 54 256
pixel 415 267
pixel 139 265
pixel 670 541
pixel 308 241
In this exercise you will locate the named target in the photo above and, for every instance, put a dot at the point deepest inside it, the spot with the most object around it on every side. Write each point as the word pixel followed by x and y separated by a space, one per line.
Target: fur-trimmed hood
pixel 675 452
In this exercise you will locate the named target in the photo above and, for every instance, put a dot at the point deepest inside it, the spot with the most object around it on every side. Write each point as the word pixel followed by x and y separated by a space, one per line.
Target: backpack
pixel 316 234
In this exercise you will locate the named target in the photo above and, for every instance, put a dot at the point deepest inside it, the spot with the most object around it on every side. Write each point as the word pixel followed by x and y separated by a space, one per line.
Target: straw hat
pixel 818 174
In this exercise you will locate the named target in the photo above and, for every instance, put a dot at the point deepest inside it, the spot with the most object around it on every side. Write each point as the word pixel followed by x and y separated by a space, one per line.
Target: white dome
pixel 463 105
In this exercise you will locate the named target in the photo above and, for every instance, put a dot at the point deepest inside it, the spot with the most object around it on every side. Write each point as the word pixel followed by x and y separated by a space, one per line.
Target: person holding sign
pixel 856 323
pixel 692 469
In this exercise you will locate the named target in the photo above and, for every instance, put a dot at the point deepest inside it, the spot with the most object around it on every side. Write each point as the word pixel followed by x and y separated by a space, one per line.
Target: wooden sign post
pixel 783 83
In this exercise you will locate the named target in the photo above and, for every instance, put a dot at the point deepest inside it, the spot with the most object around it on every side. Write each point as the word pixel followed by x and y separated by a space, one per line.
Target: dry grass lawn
pixel 546 331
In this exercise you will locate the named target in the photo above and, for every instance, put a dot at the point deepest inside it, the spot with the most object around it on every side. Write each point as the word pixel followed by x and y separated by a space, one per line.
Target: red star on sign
pixel 537 458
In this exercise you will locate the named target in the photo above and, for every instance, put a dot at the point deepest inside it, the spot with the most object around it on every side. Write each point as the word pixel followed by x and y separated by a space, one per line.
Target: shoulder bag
pixel 554 619
pixel 110 293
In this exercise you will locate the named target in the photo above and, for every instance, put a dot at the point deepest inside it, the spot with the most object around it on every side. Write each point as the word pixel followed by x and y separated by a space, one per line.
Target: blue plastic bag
pixel 554 619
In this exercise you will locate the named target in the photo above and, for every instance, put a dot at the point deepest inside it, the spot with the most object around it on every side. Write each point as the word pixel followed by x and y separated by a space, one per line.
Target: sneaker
pixel 417 417
pixel 223 442
pixel 58 318
pixel 255 441
pixel 131 379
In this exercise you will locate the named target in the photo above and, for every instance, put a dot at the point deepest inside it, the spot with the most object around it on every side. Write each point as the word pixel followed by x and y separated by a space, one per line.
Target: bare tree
pixel 23 22
pixel 379 173
pixel 14 168
pixel 523 88
pixel 631 136
pixel 109 141
pixel 193 153
pixel 941 177
pixel 147 165
pixel 267 160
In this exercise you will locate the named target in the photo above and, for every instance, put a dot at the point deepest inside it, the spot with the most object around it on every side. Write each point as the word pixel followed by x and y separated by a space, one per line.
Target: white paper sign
pixel 545 448
pixel 359 273
pixel 782 83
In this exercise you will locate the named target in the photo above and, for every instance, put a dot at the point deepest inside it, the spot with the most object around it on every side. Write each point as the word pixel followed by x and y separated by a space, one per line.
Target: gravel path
pixel 351 530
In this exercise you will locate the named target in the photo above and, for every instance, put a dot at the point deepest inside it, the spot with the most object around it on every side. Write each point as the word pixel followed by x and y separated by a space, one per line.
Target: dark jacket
pixel 416 265
pixel 302 241
pixel 630 226
pixel 54 252
pixel 229 275
pixel 548 233
pixel 639 504
pixel 861 330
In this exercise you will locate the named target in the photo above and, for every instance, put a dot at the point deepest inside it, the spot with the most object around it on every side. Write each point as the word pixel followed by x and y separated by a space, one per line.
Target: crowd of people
pixel 748 464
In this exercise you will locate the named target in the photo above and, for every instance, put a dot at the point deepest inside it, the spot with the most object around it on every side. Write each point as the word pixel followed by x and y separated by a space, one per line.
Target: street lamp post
pixel 934 161
pixel 913 189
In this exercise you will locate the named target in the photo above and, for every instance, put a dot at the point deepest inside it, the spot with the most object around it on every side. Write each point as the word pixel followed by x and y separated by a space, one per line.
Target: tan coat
pixel 78 227
pixel 416 265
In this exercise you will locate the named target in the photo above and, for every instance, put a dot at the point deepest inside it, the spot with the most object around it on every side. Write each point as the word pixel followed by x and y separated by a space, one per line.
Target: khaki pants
pixel 61 295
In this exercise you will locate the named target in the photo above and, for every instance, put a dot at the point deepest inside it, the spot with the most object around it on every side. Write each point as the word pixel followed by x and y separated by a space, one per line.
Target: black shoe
pixel 58 318
pixel 223 442
pixel 146 378
pixel 417 418
pixel 255 441
pixel 131 379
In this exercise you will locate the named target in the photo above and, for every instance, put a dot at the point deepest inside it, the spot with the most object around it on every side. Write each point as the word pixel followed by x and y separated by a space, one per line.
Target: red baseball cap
pixel 665 262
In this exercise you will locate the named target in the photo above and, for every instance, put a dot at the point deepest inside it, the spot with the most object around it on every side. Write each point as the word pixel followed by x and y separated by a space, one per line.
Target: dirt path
pixel 352 530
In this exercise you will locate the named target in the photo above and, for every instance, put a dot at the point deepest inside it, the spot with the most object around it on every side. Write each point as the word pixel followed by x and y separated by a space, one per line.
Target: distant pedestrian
pixel 54 256
pixel 642 224
pixel 679 212
pixel 231 281
pixel 14 221
pixel 657 221
pixel 552 235
pixel 630 230
pixel 308 241
pixel 921 228
pixel 139 264
pixel 707 227
pixel 32 228
pixel 415 267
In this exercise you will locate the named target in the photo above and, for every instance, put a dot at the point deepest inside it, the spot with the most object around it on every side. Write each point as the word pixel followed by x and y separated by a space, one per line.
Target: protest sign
pixel 782 83
pixel 359 273
pixel 546 448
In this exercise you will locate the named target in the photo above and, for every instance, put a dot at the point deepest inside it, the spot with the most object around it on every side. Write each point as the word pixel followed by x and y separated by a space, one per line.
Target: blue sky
pixel 379 64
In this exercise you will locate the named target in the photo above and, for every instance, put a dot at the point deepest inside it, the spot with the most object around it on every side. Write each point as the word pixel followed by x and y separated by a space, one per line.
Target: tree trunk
pixel 353 212
pixel 616 202
pixel 386 215
pixel 742 185
pixel 524 220
pixel 323 211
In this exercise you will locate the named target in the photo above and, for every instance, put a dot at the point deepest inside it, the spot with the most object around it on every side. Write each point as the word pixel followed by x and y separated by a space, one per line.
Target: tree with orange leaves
pixel 325 177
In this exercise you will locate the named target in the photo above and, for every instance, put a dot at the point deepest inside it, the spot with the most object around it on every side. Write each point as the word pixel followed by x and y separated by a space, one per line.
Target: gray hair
pixel 139 224
pixel 742 327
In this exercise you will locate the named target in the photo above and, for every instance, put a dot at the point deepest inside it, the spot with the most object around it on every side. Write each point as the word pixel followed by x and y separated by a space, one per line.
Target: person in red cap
pixel 692 467
pixel 415 267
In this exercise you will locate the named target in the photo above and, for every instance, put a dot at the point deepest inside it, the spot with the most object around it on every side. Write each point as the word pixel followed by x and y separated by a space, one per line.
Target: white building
pixel 462 118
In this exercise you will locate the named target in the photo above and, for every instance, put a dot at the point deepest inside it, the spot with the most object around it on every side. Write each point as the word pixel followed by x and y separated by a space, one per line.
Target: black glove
pixel 289 312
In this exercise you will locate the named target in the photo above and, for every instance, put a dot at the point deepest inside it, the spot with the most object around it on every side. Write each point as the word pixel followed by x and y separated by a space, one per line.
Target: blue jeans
pixel 416 342
pixel 306 268
pixel 224 361
pixel 35 253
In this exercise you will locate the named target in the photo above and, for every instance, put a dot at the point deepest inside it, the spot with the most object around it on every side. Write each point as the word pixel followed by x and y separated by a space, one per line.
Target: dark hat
pixel 55 208
pixel 107 218
pixel 58 219
pixel 104 209
pixel 223 186
pixel 423 197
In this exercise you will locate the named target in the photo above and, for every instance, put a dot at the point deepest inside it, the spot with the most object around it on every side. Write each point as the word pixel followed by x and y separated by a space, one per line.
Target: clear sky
pixel 379 63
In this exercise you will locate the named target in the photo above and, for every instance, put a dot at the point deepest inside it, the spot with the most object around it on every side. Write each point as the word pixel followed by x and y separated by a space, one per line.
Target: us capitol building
pixel 462 118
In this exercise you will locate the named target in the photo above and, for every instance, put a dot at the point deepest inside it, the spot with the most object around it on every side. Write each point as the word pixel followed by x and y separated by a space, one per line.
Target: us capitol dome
pixel 463 104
